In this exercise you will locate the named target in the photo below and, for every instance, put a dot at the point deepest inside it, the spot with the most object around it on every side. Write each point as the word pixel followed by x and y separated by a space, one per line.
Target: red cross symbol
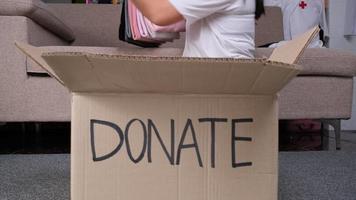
pixel 302 4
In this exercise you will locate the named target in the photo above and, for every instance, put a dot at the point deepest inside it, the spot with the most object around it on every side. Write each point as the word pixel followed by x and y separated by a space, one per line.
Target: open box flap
pixel 82 72
pixel 291 50
pixel 35 54
pixel 85 72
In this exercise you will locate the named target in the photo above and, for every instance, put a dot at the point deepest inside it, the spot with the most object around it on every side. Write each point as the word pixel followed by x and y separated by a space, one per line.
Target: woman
pixel 214 28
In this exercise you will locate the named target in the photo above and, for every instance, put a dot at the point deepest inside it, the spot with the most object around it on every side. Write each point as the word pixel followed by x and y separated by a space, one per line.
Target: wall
pixel 337 20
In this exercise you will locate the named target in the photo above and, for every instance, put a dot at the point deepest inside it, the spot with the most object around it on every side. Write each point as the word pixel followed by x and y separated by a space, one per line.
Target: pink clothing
pixel 163 36
pixel 136 27
pixel 144 30
pixel 141 25
pixel 133 21
pixel 176 27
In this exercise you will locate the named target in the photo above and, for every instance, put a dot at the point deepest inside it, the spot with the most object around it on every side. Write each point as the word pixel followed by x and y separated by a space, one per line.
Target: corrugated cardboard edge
pixel 173 58
pixel 291 51
pixel 35 53
pixel 153 58
pixel 39 55
pixel 88 57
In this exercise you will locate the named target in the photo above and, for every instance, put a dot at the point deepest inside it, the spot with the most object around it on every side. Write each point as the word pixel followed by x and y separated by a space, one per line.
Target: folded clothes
pixel 125 31
pixel 127 20
pixel 141 25
pixel 136 29
pixel 175 28
pixel 143 29
pixel 164 36
pixel 133 20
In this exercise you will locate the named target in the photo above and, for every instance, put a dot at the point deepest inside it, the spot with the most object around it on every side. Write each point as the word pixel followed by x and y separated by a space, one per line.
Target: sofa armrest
pixel 38 36
pixel 23 29
pixel 24 97
pixel 40 13
pixel 93 24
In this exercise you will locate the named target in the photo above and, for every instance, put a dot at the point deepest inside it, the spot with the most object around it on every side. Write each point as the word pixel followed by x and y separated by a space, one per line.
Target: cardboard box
pixel 173 128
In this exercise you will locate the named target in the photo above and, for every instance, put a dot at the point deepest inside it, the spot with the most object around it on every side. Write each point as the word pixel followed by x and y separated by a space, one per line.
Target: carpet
pixel 322 175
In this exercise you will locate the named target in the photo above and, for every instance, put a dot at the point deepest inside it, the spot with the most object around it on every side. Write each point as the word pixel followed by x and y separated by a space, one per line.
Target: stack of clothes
pixel 138 30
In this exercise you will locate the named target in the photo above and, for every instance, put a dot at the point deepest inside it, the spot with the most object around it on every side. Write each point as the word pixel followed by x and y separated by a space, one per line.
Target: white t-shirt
pixel 218 28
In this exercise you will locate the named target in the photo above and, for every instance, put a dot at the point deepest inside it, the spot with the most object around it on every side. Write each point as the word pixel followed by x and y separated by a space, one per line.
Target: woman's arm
pixel 160 12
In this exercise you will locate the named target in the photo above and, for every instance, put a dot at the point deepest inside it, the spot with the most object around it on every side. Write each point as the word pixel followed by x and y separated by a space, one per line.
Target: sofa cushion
pixel 322 61
pixel 38 12
pixel 316 97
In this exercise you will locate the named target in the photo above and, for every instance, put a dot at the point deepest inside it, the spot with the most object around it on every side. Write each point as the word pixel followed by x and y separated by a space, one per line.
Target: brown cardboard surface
pixel 170 127
pixel 118 177
pixel 98 73
pixel 36 55
pixel 291 50
pixel 131 74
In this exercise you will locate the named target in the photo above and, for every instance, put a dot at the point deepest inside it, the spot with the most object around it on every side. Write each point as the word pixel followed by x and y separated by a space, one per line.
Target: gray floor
pixel 348 141
pixel 326 175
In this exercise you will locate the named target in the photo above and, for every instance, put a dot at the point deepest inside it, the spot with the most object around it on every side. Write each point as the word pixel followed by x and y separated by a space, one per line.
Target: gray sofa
pixel 323 91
